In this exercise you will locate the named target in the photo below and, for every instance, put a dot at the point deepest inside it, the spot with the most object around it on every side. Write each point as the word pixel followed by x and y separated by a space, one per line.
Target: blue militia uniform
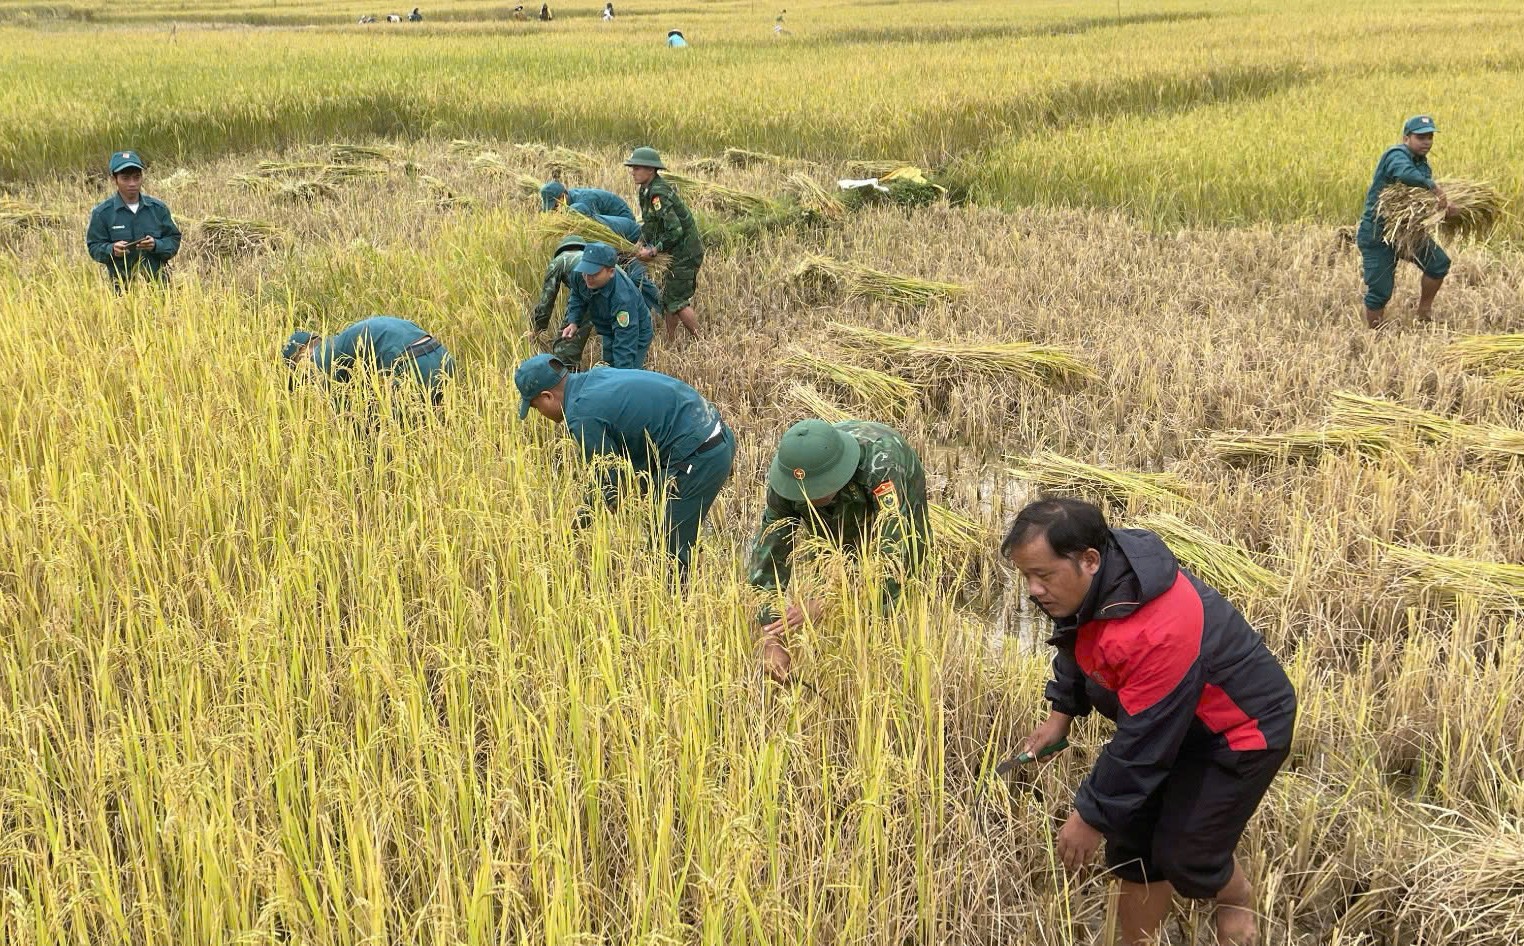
pixel 1378 259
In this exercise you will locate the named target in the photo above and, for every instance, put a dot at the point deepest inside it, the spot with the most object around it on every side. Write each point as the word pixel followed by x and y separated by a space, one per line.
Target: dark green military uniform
pixel 112 221
pixel 882 508
pixel 1398 165
pixel 667 226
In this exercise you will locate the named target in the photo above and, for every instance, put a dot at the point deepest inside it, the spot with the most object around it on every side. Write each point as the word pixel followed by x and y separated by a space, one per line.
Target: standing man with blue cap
pixel 130 233
pixel 666 430
pixel 1404 163
pixel 602 293
pixel 858 482
pixel 381 343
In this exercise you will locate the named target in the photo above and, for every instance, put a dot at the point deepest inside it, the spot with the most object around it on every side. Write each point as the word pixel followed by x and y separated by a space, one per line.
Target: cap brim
pixel 125 167
pixel 785 484
pixel 524 406
pixel 585 268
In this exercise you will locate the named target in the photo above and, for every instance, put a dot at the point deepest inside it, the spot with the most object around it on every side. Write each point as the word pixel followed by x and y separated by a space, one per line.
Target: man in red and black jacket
pixel 1204 713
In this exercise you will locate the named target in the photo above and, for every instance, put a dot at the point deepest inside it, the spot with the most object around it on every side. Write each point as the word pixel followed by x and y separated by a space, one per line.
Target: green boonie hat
pixel 644 158
pixel 1418 125
pixel 570 242
pixel 813 459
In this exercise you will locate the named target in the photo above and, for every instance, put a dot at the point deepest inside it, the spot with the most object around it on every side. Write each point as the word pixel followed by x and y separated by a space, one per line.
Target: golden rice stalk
pixel 15 215
pixel 705 165
pixel 816 404
pixel 489 162
pixel 441 195
pixel 852 280
pixel 882 392
pixel 956 532
pixel 1411 216
pixel 1371 440
pixel 225 236
pixel 557 158
pixel 1485 354
pixel 528 184
pixel 1051 472
pixel 1039 364
pixel 724 198
pixel 815 198
pixel 1483 441
pixel 556 225
pixel 875 169
pixel 179 179
pixel 467 147
pixel 1509 382
pixel 1225 567
pixel 1498 583
pixel 741 158
pixel 253 182
pixel 305 191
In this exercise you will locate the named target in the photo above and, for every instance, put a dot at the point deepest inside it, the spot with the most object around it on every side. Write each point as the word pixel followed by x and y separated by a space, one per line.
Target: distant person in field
pixel 604 206
pixel 1404 163
pixel 604 295
pixel 860 483
pixel 778 23
pixel 1203 711
pixel 667 226
pixel 545 13
pixel 676 40
pixel 519 14
pixel 415 16
pixel 381 343
pixel 672 436
pixel 561 272
pixel 608 12
pixel 131 233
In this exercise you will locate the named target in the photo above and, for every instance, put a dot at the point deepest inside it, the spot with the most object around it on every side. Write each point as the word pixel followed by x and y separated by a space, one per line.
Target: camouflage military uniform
pixel 884 504
pixel 667 226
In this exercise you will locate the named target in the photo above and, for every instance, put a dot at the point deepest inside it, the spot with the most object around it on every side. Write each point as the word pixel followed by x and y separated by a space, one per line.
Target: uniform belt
pixel 426 345
pixel 716 438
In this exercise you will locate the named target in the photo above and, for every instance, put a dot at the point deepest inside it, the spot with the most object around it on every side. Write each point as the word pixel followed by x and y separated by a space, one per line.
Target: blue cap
pixel 551 192
pixel 596 256
pixel 540 373
pixel 294 344
pixel 122 160
pixel 1418 125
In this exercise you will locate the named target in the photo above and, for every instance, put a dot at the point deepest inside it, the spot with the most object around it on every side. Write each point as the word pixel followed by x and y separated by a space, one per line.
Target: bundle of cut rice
pixel 179 179
pixel 816 199
pixel 1496 583
pixel 353 154
pixel 938 358
pixel 723 198
pixel 441 195
pixel 705 165
pixel 315 170
pixel 852 280
pixel 305 191
pixel 1411 216
pixel 15 215
pixel 816 404
pixel 466 147
pixel 489 162
pixel 1053 473
pixel 883 393
pixel 1485 354
pixel 553 227
pixel 1482 441
pixel 1225 567
pixel 528 184
pixel 225 236
pixel 875 169
pixel 741 158
pixel 1371 440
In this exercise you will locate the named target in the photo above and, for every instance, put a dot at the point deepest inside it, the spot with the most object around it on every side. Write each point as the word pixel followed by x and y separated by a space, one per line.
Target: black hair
pixel 1070 525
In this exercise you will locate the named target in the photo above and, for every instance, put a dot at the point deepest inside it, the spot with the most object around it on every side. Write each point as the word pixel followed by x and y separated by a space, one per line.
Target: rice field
pixel 267 681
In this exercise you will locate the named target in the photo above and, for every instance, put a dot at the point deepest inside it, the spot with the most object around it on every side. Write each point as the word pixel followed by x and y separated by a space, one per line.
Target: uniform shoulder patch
pixel 655 201
pixel 623 318
pixel 886 495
